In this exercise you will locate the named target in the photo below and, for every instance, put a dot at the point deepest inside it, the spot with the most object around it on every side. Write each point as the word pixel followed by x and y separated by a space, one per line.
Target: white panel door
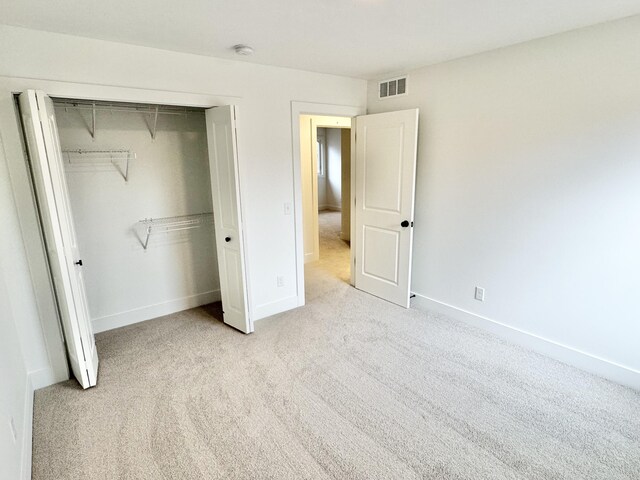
pixel 43 143
pixel 225 187
pixel 385 178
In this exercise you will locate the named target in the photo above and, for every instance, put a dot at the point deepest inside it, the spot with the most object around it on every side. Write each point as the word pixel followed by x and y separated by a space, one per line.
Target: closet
pixel 140 212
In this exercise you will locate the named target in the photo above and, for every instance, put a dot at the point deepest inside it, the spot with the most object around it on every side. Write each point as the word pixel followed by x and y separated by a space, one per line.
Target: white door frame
pixel 11 131
pixel 307 108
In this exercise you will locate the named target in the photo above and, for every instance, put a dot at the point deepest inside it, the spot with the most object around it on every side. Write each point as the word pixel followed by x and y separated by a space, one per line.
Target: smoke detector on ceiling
pixel 243 49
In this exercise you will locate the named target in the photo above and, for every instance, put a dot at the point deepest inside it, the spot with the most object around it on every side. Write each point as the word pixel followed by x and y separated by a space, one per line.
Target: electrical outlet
pixel 280 280
pixel 479 294
pixel 14 432
pixel 287 208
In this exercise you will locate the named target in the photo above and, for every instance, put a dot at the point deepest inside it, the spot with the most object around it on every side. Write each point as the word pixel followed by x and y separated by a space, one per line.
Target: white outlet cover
pixel 479 294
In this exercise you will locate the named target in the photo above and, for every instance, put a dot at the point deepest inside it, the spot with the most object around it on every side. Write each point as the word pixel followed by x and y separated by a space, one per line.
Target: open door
pixel 385 179
pixel 225 187
pixel 41 133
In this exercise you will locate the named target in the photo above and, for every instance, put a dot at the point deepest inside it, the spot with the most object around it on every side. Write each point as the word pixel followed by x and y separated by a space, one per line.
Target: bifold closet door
pixel 225 187
pixel 45 157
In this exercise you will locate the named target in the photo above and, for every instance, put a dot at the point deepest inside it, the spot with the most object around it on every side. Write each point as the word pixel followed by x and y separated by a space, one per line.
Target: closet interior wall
pixel 167 176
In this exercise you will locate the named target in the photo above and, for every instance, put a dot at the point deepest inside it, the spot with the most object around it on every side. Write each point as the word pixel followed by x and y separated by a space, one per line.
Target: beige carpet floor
pixel 347 387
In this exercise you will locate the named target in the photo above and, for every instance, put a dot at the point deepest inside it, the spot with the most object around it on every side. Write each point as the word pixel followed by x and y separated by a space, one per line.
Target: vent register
pixel 392 88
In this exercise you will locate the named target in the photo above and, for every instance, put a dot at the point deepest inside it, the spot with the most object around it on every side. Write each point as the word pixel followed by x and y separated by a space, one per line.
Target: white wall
pixel 529 186
pixel 17 316
pixel 169 176
pixel 333 199
pixel 264 136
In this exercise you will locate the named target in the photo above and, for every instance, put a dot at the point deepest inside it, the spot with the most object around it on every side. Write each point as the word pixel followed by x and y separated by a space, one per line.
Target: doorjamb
pixel 10 130
pixel 307 108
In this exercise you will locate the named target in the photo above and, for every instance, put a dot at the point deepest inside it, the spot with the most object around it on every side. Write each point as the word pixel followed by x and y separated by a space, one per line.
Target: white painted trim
pixel 43 378
pixel 297 109
pixel 27 432
pixel 149 312
pixel 115 93
pixel 585 361
pixel 352 233
pixel 272 308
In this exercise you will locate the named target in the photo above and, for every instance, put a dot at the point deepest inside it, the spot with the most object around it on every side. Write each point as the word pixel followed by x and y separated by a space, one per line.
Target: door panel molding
pixel 45 158
pixel 384 181
pixel 227 213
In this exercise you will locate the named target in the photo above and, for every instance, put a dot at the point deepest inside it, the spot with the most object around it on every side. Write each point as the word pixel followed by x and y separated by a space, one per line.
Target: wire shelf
pixel 152 110
pixel 152 226
pixel 88 159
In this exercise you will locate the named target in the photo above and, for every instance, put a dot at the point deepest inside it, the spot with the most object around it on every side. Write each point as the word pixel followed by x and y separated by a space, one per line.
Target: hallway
pixel 334 252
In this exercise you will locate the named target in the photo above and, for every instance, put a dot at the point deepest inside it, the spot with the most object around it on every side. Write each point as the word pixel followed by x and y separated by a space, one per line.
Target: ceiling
pixel 358 38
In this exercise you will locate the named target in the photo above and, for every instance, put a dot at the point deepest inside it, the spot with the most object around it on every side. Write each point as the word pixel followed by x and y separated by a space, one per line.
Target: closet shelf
pixel 100 158
pixel 150 110
pixel 152 226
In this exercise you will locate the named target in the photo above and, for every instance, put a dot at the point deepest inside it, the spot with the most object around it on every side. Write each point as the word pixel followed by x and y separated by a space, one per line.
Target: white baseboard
pixel 43 378
pixel 148 312
pixel 564 353
pixel 27 432
pixel 271 308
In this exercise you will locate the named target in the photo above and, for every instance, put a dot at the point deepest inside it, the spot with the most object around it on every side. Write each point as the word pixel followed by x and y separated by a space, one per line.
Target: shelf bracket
pixel 93 121
pixel 155 123
pixel 146 242
pixel 126 170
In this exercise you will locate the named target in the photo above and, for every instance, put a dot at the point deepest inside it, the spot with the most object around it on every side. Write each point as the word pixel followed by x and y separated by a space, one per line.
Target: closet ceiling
pixel 359 38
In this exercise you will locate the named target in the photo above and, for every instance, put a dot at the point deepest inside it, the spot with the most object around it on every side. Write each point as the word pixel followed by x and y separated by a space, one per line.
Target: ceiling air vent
pixel 392 88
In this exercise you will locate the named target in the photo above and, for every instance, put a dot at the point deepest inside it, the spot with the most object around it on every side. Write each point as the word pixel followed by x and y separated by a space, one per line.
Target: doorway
pixel 101 176
pixel 325 146
pixel 383 177
pixel 334 187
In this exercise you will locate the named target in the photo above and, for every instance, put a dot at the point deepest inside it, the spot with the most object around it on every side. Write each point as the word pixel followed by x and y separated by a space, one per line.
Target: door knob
pixel 404 224
pixel 227 239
